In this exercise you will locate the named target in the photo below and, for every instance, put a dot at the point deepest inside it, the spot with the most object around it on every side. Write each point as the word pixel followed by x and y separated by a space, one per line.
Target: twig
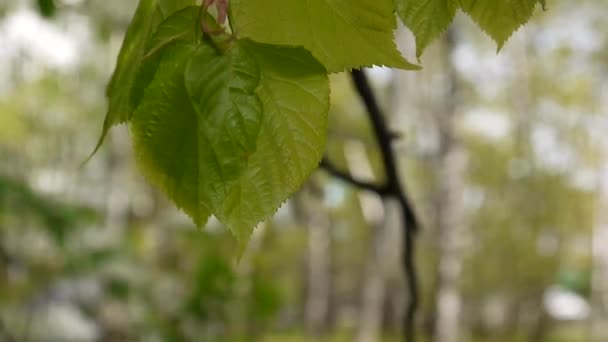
pixel 332 170
pixel 384 138
pixel 392 188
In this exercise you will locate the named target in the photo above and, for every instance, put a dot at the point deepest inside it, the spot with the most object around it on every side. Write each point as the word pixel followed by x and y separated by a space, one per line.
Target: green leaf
pixel 426 18
pixel 294 89
pixel 182 27
pixel 147 18
pixel 165 134
pixel 222 90
pixel 341 34
pixel 197 124
pixel 169 7
pixel 499 18
pixel 232 133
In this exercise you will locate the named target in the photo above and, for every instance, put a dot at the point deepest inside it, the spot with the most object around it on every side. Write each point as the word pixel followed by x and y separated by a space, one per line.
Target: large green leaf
pixel 222 90
pixel 165 134
pixel 426 18
pixel 232 133
pixel 341 34
pixel 198 123
pixel 294 90
pixel 231 129
pixel 499 18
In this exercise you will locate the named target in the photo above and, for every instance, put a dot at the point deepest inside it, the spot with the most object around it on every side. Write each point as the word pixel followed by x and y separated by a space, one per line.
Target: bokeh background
pixel 505 157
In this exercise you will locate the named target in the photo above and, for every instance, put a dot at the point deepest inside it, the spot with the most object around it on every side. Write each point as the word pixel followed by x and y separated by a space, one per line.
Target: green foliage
pixel 168 7
pixel 498 18
pixel 341 34
pixel 131 54
pixel 208 109
pixel 148 15
pixel 294 90
pixel 427 19
pixel 47 8
pixel 58 218
pixel 232 124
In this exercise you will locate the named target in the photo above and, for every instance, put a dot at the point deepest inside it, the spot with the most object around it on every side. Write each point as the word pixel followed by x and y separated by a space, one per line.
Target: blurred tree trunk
pixel 598 321
pixel 384 247
pixel 523 105
pixel 118 207
pixel 319 272
pixel 599 291
pixel 449 162
pixel 370 315
pixel 310 211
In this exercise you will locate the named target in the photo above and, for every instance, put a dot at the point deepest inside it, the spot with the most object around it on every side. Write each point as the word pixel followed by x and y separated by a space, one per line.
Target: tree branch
pixel 395 188
pixel 392 188
pixel 332 170
pixel 384 138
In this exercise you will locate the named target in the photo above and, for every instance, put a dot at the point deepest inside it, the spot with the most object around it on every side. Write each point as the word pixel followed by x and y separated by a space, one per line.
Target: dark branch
pixel 395 189
pixel 409 268
pixel 392 188
pixel 332 170
pixel 384 138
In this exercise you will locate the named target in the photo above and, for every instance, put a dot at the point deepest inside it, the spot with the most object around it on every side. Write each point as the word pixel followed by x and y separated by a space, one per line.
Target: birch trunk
pixel 309 211
pixel 599 286
pixel 383 257
pixel 319 274
pixel 449 163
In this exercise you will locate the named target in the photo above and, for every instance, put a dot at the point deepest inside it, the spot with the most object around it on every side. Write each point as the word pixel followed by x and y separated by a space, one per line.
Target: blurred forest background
pixel 505 157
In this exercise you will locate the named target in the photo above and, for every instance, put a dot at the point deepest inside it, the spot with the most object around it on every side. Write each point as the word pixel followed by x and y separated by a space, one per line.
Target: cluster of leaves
pixel 231 121
pixel 498 18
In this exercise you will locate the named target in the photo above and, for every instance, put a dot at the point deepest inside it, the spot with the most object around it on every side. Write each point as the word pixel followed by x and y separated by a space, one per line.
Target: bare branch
pixel 332 170
pixel 392 188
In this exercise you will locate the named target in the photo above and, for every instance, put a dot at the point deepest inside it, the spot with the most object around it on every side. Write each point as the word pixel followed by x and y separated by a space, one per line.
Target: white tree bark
pixel 450 242
pixel 599 290
pixel 598 322
pixel 319 273
pixel 118 190
pixel 311 212
pixel 449 163
pixel 384 255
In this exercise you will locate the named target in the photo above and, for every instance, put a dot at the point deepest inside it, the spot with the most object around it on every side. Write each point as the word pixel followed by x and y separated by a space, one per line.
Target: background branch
pixel 392 188
pixel 334 171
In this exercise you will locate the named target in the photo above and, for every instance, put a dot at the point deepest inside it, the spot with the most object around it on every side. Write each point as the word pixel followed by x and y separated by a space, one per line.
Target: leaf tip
pixel 419 52
pixel 104 133
pixel 499 46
